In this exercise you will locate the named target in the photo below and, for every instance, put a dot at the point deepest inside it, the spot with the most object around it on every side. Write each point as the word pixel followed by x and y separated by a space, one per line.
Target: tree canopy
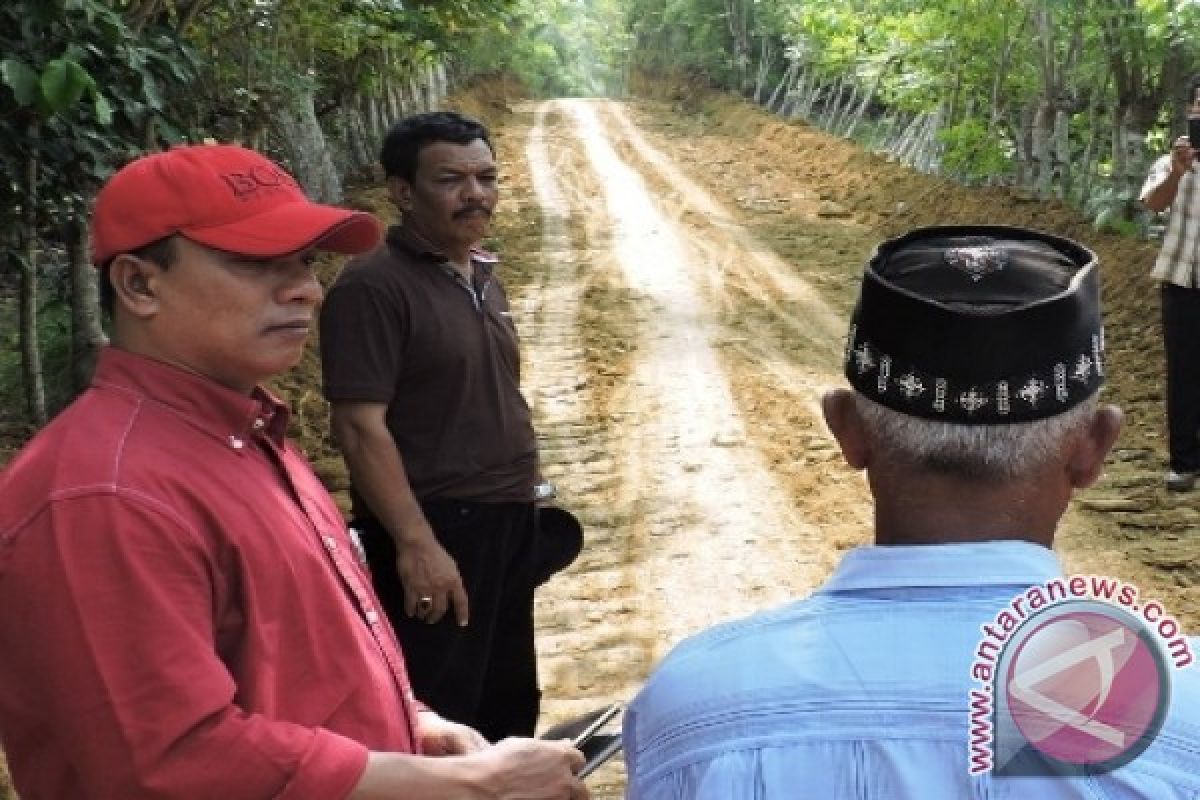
pixel 1066 98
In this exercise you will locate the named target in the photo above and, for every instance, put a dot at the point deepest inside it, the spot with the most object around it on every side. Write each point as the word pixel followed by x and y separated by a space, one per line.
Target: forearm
pixel 432 584
pixel 514 769
pixel 1162 196
pixel 378 473
pixel 392 775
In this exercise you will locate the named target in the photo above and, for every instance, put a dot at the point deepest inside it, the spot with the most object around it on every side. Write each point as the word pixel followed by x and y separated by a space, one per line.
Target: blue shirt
pixel 861 690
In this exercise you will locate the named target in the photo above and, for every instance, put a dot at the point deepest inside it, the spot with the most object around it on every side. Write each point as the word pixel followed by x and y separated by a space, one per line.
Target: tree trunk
pixel 396 110
pixel 87 334
pixel 908 138
pixel 1133 142
pixel 307 149
pixel 432 89
pixel 443 79
pixel 844 118
pixel 868 96
pixel 792 94
pixel 1003 61
pixel 1060 155
pixel 928 160
pixel 831 106
pixel 1088 161
pixel 357 153
pixel 779 87
pixel 31 354
pixel 896 148
pixel 1040 147
pixel 1026 172
pixel 735 16
pixel 382 118
pixel 371 120
pixel 814 96
pixel 1120 151
pixel 414 94
pixel 904 143
pixel 797 98
pixel 766 59
pixel 889 133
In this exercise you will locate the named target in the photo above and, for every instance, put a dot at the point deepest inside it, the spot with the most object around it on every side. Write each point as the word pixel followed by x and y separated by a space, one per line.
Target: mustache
pixel 462 212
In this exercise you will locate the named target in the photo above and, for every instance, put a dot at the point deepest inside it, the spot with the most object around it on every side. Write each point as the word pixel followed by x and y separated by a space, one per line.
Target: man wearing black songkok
pixel 975 356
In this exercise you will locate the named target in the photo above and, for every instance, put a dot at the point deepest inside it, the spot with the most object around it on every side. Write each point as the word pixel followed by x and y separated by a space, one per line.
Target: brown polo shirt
pixel 400 326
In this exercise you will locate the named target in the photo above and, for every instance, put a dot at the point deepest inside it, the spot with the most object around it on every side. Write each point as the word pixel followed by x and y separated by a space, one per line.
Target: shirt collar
pixel 419 246
pixel 205 404
pixel 998 563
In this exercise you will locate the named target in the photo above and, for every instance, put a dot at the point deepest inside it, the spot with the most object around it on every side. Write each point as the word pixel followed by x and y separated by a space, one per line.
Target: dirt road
pixel 650 438
pixel 676 344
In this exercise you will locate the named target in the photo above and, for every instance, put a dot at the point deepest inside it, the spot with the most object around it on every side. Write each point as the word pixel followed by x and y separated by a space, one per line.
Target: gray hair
pixel 978 452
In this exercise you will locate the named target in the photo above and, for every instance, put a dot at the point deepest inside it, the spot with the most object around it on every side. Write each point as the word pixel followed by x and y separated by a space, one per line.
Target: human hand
pixel 532 769
pixel 430 579
pixel 1183 154
pixel 442 737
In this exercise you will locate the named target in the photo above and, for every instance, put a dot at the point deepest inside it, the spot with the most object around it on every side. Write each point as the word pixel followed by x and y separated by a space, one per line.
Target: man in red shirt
pixel 183 614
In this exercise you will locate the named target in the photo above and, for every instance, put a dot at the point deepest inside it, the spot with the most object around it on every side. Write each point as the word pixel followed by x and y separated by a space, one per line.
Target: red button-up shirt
pixel 181 611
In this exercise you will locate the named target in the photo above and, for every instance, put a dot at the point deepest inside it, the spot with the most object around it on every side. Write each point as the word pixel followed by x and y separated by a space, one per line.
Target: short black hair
pixel 160 251
pixel 404 140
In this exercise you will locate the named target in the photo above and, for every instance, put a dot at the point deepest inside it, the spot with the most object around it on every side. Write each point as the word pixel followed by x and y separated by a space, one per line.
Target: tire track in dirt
pixel 576 447
pixel 588 649
pixel 686 523
pixel 735 253
pixel 782 341
pixel 717 537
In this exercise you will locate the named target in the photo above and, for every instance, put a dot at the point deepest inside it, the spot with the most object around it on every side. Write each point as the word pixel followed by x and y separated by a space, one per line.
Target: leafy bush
pixel 974 151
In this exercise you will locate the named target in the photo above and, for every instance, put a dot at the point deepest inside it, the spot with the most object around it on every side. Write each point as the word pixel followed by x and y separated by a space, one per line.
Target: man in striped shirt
pixel 1173 184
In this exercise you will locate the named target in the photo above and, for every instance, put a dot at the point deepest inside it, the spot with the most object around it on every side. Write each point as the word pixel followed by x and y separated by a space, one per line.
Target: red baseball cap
pixel 224 197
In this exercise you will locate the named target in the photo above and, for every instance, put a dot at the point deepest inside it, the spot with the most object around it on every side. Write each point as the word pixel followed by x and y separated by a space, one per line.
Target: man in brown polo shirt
pixel 421 365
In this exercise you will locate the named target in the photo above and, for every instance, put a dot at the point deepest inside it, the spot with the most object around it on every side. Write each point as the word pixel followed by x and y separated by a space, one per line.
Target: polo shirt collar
pixel 217 410
pixel 419 246
pixel 995 563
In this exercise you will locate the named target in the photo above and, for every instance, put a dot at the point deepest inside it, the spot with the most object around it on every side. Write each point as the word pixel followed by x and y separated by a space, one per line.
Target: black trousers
pixel 1181 338
pixel 483 675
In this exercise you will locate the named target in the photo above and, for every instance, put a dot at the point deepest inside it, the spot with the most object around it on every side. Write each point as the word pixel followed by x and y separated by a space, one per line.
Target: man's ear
pixel 841 415
pixel 135 284
pixel 401 192
pixel 1086 461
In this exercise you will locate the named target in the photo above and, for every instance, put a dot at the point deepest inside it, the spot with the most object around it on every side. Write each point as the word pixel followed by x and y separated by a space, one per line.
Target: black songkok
pixel 979 324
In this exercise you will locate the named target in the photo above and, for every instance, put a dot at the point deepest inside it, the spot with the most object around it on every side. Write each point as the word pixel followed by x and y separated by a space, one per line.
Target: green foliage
pixel 78 96
pixel 973 150
pixel 53 330
pixel 983 67
pixel 22 80
pixel 63 84
pixel 688 35
pixel 558 47
pixel 1110 220
pixel 81 90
